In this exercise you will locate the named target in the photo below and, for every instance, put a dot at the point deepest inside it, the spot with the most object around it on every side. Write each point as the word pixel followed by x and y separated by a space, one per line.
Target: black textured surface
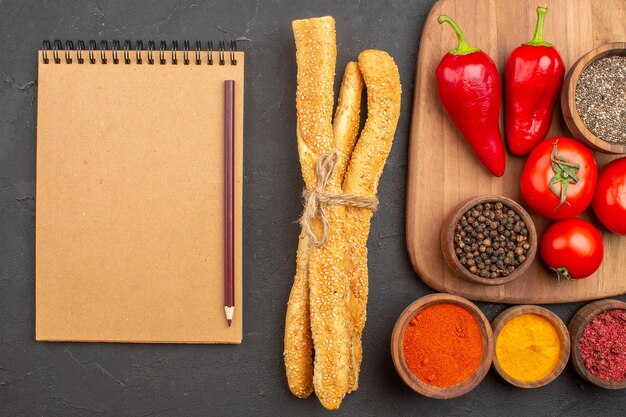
pixel 66 379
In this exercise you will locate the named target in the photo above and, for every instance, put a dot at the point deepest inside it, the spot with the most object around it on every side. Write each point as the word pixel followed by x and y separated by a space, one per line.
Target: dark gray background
pixel 70 379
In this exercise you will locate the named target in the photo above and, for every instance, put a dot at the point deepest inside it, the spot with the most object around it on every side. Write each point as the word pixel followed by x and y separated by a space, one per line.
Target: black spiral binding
pixel 57 48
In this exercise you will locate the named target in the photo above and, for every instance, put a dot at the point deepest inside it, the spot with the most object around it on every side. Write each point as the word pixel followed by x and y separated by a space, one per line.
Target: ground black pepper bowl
pixel 447 239
pixel 568 98
pixel 576 326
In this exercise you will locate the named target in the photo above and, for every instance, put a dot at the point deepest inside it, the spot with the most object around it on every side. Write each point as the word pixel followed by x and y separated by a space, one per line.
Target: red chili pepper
pixel 469 88
pixel 533 77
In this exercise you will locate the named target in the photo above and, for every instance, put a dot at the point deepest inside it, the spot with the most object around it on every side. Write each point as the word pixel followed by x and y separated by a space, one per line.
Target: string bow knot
pixel 318 199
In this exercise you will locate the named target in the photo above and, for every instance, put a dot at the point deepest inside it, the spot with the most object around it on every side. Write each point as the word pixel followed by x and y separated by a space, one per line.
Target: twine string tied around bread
pixel 317 199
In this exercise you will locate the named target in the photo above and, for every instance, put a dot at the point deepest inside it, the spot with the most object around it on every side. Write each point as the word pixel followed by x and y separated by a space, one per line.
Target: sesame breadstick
pixel 316 53
pixel 316 56
pixel 328 286
pixel 298 341
pixel 327 281
pixel 368 159
pixel 347 117
pixel 346 129
pixel 328 291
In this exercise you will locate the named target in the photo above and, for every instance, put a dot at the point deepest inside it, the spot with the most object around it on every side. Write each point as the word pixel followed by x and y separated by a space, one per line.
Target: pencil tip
pixel 230 311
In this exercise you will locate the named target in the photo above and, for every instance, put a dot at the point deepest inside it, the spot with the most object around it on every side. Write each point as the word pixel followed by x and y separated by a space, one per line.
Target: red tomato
pixel 572 248
pixel 559 178
pixel 609 201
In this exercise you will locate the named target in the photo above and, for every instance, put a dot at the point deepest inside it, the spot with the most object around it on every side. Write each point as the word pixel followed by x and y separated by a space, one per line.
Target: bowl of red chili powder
pixel 442 346
pixel 598 337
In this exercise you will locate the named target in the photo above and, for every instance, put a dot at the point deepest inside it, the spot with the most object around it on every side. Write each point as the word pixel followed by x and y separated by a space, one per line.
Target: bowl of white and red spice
pixel 598 343
pixel 593 99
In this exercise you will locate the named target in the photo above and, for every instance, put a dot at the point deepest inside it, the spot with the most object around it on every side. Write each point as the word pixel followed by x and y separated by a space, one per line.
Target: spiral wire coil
pixel 56 49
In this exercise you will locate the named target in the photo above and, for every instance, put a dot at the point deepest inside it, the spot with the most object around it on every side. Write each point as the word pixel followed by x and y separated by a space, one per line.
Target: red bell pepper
pixel 533 77
pixel 469 89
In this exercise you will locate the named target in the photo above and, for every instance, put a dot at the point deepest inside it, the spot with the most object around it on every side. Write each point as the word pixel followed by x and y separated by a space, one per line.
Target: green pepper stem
pixel 463 47
pixel 537 39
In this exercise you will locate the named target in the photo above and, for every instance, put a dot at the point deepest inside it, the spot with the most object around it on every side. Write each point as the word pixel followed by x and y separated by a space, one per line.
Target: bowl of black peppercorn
pixel 489 240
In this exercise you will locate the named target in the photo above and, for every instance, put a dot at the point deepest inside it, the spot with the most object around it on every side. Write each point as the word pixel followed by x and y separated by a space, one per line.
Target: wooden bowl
pixel 407 375
pixel 576 326
pixel 447 239
pixel 504 317
pixel 568 99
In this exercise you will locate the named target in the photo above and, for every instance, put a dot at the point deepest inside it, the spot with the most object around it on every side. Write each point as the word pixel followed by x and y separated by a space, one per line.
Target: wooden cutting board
pixel 442 169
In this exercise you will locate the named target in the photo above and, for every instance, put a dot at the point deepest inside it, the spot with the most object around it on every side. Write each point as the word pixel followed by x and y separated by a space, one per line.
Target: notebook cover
pixel 129 201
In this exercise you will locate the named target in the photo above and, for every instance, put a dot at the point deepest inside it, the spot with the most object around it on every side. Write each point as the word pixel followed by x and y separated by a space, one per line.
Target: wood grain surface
pixel 443 171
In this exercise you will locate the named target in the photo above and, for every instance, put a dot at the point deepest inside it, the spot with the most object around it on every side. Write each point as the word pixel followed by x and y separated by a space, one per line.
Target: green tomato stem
pixel 565 173
pixel 463 47
pixel 561 273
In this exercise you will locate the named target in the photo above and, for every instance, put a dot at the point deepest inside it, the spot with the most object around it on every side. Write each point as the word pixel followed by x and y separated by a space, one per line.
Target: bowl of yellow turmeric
pixel 532 346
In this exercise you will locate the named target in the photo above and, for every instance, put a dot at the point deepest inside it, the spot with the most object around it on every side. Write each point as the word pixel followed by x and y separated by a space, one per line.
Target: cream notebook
pixel 129 199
